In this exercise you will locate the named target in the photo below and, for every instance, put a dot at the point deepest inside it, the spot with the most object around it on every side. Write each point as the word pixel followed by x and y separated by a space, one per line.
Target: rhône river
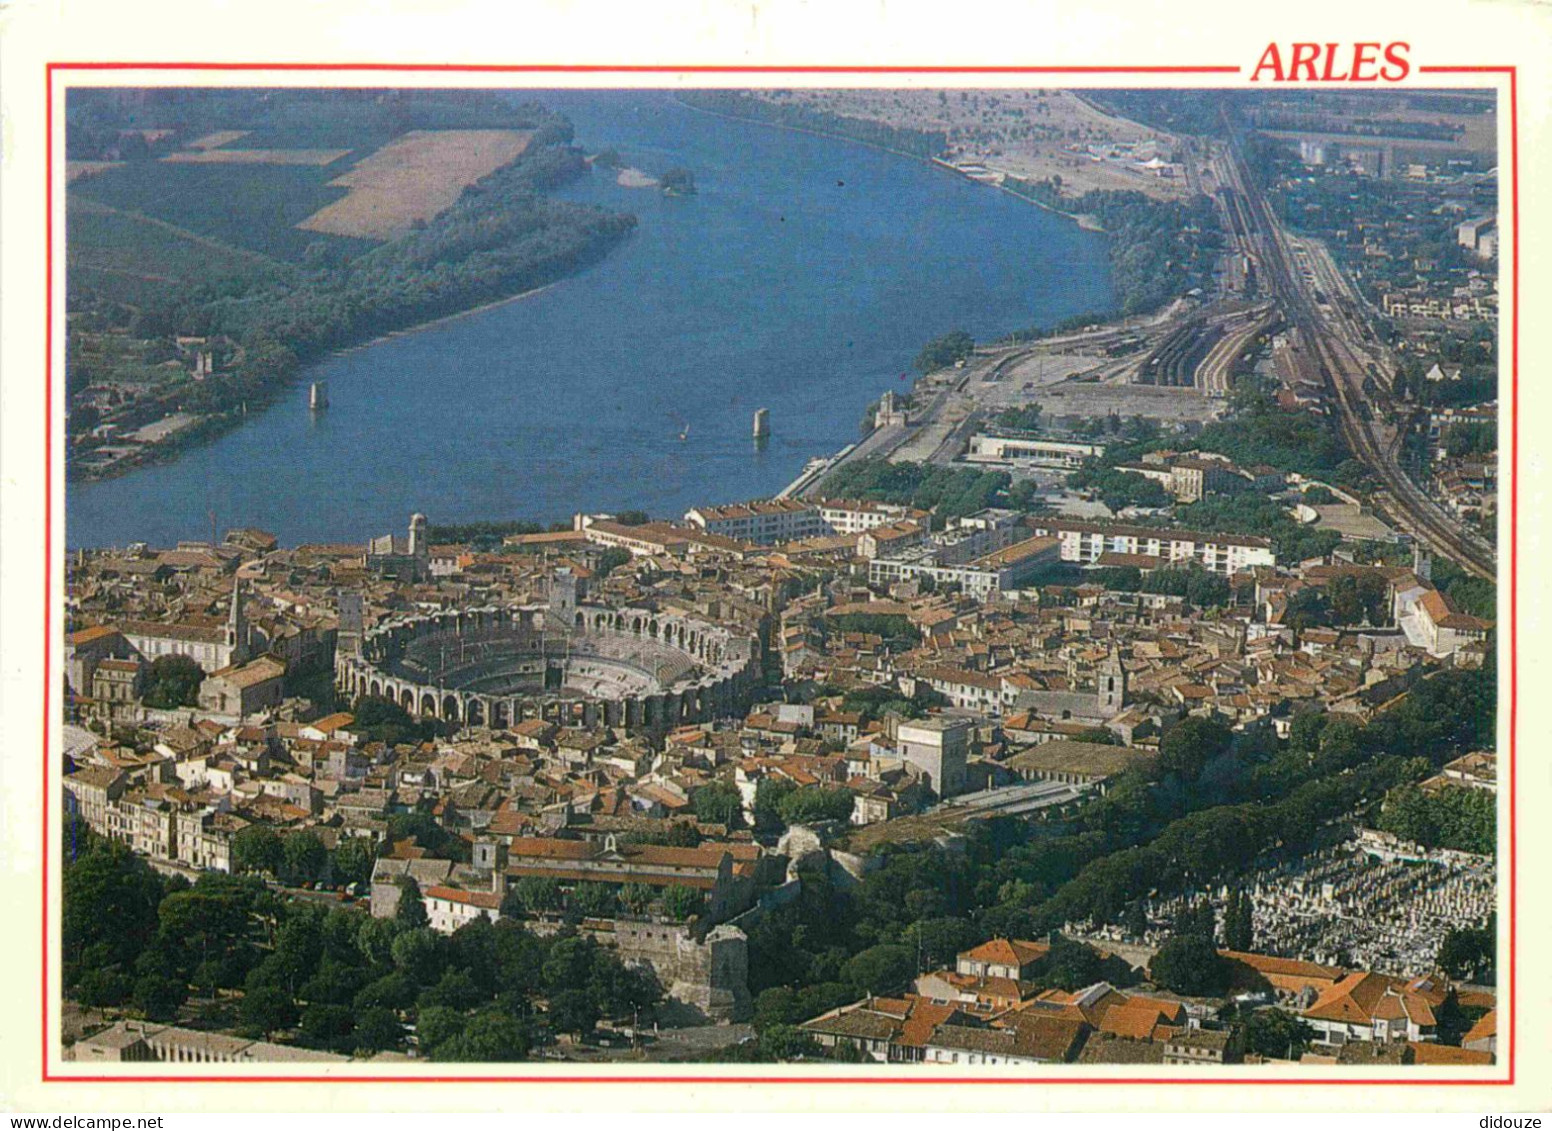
pixel 803 277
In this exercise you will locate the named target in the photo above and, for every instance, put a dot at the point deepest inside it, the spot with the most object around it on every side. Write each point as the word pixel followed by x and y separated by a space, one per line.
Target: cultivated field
pixel 256 207
pixel 216 140
pixel 257 156
pixel 136 259
pixel 80 170
pixel 414 178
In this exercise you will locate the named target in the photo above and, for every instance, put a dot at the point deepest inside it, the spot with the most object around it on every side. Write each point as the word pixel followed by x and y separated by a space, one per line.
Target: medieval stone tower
pixel 1110 686
pixel 237 626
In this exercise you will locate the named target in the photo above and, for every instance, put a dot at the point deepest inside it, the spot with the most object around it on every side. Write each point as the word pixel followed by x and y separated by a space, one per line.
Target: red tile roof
pixel 484 899
pixel 1486 1026
pixel 1007 952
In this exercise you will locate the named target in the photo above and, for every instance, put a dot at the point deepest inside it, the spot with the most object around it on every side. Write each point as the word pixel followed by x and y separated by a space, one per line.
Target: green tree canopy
pixel 1469 954
pixel 1238 922
pixel 1191 965
pixel 159 997
pixel 1276 1034
pixel 882 969
pixel 1454 817
pixel 944 351
pixel 354 857
pixel 267 1009
pixel 536 894
pixel 111 901
pixel 419 953
pixel 395 992
pixel 1189 745
pixel 595 900
pixel 326 1026
pixel 303 858
pixel 815 803
pixel 717 802
pixel 679 901
pixel 257 848
pixel 173 681
pixel 437 1024
pixel 939 940
pixel 490 1037
pixel 1070 965
pixel 574 1011
pixel 378 1029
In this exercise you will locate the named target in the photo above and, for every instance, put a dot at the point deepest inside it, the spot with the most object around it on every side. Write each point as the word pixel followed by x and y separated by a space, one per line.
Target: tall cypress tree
pixel 411 912
pixel 1238 924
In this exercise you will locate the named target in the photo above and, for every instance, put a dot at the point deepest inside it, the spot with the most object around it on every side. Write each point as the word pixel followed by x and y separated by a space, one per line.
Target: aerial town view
pixel 934 577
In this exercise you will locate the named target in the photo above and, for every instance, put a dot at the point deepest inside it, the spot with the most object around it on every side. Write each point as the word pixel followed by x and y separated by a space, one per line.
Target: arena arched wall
pixel 590 665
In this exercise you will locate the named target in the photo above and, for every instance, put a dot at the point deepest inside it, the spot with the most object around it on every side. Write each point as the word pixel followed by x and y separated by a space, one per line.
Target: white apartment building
pixel 854 516
pixel 1225 554
pixel 762 521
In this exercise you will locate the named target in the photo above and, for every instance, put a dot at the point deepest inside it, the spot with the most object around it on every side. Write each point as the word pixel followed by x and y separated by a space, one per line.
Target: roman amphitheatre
pixel 589 664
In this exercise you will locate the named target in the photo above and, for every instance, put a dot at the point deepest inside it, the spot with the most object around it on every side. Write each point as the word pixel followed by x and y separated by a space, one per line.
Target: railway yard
pixel 1177 367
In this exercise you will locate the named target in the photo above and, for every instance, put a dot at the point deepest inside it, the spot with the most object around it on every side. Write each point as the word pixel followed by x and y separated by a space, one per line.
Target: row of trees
pixel 943 351
pixel 1159 249
pixel 1198 586
pixel 542 896
pixel 1259 516
pixel 778 802
pixel 919 143
pixel 1452 817
pixel 300 857
pixel 950 491
pixel 1117 489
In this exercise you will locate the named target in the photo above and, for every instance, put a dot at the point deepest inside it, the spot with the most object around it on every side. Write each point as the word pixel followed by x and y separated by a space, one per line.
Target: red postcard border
pixel 48 1076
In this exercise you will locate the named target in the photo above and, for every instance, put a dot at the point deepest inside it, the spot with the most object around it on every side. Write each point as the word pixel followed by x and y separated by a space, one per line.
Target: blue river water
pixel 802 277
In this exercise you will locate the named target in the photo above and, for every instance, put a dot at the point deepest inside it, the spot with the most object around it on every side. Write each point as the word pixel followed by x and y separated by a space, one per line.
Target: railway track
pixel 1361 401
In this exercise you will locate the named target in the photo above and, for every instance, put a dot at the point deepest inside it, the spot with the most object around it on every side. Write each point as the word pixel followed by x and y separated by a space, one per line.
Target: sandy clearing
pixel 217 140
pixel 635 178
pixel 257 157
pixel 414 178
pixel 1028 133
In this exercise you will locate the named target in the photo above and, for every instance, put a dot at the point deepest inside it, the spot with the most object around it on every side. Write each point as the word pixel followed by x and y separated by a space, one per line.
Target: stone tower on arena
pixel 351 624
pixel 419 546
pixel 563 598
